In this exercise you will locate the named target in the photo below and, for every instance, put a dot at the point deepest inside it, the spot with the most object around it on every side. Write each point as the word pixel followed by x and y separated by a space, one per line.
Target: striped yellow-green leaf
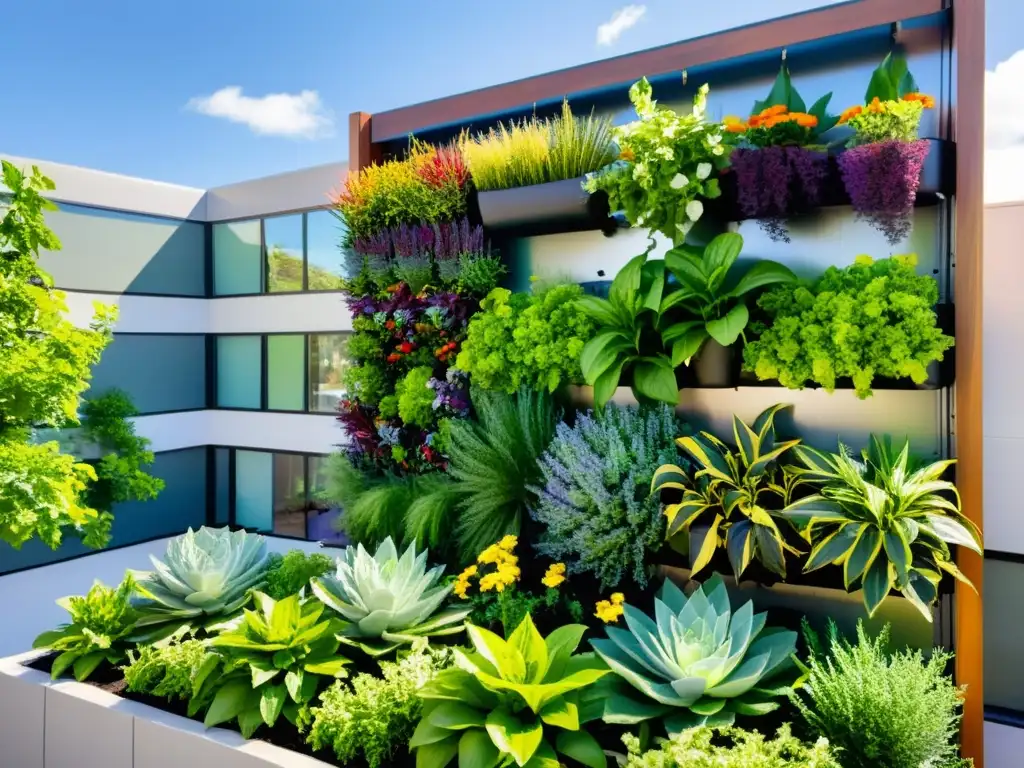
pixel 769 549
pixel 747 441
pixel 955 572
pixel 739 543
pixel 682 515
pixel 670 476
pixel 833 548
pixel 877 582
pixel 709 460
pixel 863 554
pixel 707 547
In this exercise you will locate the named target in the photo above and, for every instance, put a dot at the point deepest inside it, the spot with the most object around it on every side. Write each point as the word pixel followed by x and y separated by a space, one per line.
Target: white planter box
pixel 64 724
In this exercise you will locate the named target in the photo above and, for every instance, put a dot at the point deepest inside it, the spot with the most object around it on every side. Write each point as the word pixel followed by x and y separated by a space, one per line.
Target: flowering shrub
pixel 596 505
pixel 611 609
pixel 532 340
pixel 665 167
pixel 872 318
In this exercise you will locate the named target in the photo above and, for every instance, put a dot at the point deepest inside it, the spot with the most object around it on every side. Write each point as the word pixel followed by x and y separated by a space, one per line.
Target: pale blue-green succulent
pixel 697 662
pixel 205 576
pixel 387 600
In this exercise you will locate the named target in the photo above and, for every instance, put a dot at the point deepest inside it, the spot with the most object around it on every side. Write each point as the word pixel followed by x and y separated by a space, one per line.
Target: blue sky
pixel 144 88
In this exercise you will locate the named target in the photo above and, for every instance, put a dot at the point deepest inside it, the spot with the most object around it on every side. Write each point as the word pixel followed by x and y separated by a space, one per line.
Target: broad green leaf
pixel 877 582
pixel 272 699
pixel 863 554
pixel 62 662
pixel 601 353
pixel 206 668
pixel 607 382
pixel 673 299
pixel 48 638
pixel 762 273
pixel 688 269
pixel 688 345
pixel 86 665
pixel 719 256
pixel 708 547
pixel 455 716
pixel 438 754
pixel 832 550
pixel 656 381
pixel 506 659
pixel 952 532
pixel 627 282
pixel 561 644
pixel 544 757
pixel 249 721
pixel 518 738
pixel 332 668
pixel 293 682
pixel 562 713
pixel 581 747
pixel 897 549
pixel 781 88
pixel 428 733
pixel 228 702
pixel 754 708
pixel 598 309
pixel 740 546
pixel 682 515
pixel 725 330
pixel 769 548
pixel 476 750
pixel 653 282
pixel 262 671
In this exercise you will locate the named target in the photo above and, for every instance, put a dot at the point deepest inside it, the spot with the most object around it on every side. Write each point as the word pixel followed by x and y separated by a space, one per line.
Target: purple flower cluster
pixel 775 183
pixel 452 393
pixel 882 180
pixel 452 241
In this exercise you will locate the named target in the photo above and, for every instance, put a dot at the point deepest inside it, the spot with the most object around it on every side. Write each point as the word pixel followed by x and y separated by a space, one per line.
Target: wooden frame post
pixel 361 151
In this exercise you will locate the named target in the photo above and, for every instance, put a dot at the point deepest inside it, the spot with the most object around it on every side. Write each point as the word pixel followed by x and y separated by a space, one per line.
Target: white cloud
pixel 621 20
pixel 1004 131
pixel 299 115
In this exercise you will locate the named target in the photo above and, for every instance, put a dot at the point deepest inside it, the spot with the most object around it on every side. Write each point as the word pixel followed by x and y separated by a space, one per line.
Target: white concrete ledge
pixel 302 432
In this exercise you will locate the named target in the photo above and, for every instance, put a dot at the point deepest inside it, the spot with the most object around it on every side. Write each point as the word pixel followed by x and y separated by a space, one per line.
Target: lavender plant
pixel 595 502
pixel 413 248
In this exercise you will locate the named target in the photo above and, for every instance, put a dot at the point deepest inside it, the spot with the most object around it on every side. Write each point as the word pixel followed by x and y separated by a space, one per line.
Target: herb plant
pixel 374 716
pixel 539 151
pixel 595 503
pixel 731 747
pixel 532 340
pixel 101 622
pixel 666 165
pixel 897 711
pixel 289 573
pixel 870 319
pixel 888 520
pixel 415 397
pixel 737 493
pixel 269 662
pixel 511 700
pixel 166 671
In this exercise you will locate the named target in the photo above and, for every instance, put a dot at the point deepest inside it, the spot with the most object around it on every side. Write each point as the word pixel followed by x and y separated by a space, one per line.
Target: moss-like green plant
pixel 705 747
pixel 165 671
pixel 291 572
pixel 367 382
pixel 375 716
pixel 415 398
pixel 533 340
pixel 870 319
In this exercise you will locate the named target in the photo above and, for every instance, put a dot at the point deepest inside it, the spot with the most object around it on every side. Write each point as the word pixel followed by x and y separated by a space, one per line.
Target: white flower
pixel 639 171
pixel 669 132
pixel 703 170
pixel 694 210
pixel 714 139
pixel 665 153
pixel 685 227
pixel 718 150
pixel 640 220
pixel 678 181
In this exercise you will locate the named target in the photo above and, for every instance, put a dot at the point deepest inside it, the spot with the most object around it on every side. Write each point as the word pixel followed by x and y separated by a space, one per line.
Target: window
pixel 222 475
pixel 237 258
pixel 239 370
pixel 328 360
pixel 283 238
pixel 290 495
pixel 323 255
pixel 286 381
pixel 254 489
pixel 324 514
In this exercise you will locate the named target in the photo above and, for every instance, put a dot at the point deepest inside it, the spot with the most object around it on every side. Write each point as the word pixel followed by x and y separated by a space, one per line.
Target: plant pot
pixel 544 209
pixel 715 366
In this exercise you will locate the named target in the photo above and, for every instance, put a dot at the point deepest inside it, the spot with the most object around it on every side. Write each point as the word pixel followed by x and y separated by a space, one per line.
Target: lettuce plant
pixel 734 492
pixel 289 573
pixel 386 600
pixel 595 503
pixel 730 747
pixel 516 700
pixel 205 576
pixel 697 662
pixel 101 622
pixel 870 319
pixel 270 661
pixel 166 671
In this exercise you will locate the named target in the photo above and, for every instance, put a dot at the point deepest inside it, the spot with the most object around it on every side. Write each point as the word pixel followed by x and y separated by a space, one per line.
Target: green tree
pixel 44 368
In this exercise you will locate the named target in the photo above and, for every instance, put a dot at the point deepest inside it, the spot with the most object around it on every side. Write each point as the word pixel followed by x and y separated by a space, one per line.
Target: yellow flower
pixel 555 575
pixel 461 588
pixel 618 598
pixel 508 543
pixel 470 571
pixel 508 573
pixel 491 581
pixel 490 555
pixel 608 612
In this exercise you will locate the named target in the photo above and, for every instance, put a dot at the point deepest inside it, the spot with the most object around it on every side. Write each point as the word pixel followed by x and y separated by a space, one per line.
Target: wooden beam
pixel 733 43
pixel 969 133
pixel 361 151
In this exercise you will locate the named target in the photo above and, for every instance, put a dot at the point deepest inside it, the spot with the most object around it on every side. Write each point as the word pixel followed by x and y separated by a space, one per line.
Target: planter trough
pixel 545 209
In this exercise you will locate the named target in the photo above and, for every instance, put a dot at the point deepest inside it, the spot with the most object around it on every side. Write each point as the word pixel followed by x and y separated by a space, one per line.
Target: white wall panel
pixel 293 313
pixel 305 188
pixel 303 432
pixel 143 314
pixel 1004 746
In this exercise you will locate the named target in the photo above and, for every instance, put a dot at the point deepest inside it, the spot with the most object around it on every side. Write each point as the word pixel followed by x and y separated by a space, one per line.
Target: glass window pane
pixel 1004 622
pixel 238 371
pixel 237 260
pixel 290 495
pixel 223 485
pixel 324 514
pixel 283 236
pixel 323 250
pixel 254 489
pixel 328 360
pixel 286 360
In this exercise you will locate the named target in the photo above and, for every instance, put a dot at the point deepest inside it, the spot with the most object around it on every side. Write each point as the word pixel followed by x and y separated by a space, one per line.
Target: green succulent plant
pixel 697 662
pixel 888 520
pixel 517 700
pixel 387 600
pixel 205 577
pixel 270 661
pixel 101 622
pixel 734 492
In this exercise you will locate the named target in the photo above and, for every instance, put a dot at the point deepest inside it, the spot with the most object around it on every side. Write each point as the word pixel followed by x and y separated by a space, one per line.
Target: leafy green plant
pixel 120 477
pixel 736 492
pixel 268 662
pixel 166 671
pixel 697 662
pixel 897 711
pixel 415 398
pixel 101 622
pixel 595 503
pixel 494 464
pixel 888 520
pixel 44 368
pixel 204 578
pixel 386 600
pixel 375 716
pixel 289 573
pixel 538 151
pixel 667 161
pixel 731 747
pixel 871 319
pixel 515 700
pixel 508 608
pixel 710 291
pixel 531 340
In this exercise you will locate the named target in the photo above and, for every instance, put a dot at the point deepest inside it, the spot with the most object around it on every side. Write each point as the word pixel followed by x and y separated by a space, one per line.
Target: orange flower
pixel 627 154
pixel 926 101
pixel 807 121
pixel 755 121
pixel 778 109
pixel 850 113
pixel 876 106
pixel 736 127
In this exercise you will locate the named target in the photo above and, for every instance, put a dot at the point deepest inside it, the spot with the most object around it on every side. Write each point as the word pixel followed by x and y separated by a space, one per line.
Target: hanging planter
pixel 558 206
pixel 715 366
